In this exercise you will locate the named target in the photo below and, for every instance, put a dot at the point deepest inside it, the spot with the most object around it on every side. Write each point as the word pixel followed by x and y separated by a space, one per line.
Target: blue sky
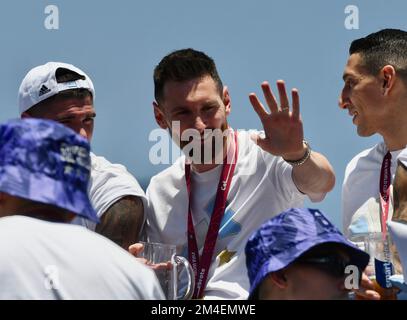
pixel 118 43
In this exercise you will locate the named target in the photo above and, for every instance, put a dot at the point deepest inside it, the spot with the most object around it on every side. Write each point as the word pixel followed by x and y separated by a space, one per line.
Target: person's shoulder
pixel 249 150
pixel 364 162
pixel 19 221
pixel 175 172
pixel 24 230
pixel 101 163
pixel 247 146
pixel 365 157
pixel 103 171
pixel 118 263
pixel 18 232
pixel 245 137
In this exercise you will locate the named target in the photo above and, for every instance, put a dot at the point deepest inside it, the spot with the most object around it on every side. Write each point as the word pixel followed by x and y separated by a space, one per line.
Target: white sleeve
pixel 346 217
pixel 151 230
pixel 280 174
pixel 110 182
pixel 346 199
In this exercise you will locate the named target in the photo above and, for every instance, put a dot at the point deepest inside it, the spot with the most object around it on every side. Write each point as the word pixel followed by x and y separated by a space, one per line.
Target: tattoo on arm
pixel 400 195
pixel 122 222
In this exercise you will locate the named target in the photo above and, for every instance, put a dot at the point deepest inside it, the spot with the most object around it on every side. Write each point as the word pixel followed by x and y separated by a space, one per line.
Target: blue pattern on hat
pixel 282 239
pixel 44 161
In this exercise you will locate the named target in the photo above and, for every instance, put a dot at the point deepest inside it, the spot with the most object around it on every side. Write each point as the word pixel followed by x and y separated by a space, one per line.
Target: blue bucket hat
pixel 282 239
pixel 44 161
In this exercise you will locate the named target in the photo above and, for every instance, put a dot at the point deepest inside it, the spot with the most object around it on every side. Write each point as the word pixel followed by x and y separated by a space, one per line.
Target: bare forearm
pixel 400 194
pixel 315 177
pixel 122 222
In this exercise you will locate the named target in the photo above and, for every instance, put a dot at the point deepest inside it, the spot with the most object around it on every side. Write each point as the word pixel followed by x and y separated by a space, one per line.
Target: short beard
pixel 208 152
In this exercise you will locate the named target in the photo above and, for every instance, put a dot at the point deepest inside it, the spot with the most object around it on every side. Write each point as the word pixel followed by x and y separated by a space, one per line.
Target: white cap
pixel 402 157
pixel 40 83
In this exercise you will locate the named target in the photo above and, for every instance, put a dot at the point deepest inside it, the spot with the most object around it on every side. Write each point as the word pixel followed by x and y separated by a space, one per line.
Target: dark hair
pixel 62 75
pixel 385 47
pixel 44 211
pixel 183 65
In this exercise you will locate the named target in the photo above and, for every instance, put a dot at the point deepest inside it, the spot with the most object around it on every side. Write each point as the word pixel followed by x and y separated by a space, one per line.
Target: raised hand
pixel 282 127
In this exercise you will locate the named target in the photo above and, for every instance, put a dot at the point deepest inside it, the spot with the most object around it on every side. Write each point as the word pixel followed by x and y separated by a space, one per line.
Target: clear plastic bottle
pixel 381 265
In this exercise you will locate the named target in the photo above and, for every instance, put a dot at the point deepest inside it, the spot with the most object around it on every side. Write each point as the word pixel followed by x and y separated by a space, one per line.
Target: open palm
pixel 283 128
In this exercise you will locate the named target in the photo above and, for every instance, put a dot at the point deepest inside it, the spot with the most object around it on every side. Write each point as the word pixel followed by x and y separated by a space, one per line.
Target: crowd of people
pixel 232 204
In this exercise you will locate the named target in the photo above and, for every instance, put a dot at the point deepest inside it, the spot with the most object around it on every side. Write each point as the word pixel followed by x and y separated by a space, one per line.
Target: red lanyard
pixel 201 265
pixel 385 182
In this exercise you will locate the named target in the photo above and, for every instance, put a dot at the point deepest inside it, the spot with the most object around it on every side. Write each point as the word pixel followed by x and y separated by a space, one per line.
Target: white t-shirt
pixel 360 192
pixel 108 183
pixel 261 187
pixel 45 261
pixel 402 157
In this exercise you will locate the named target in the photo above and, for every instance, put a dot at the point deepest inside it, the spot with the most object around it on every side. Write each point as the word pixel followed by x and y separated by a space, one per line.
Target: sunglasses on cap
pixel 332 264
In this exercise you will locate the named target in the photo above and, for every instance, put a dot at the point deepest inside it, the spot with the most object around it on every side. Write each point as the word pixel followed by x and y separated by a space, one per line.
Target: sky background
pixel 118 43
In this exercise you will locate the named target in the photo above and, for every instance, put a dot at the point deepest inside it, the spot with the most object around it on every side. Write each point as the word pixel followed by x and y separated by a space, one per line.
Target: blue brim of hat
pixel 41 188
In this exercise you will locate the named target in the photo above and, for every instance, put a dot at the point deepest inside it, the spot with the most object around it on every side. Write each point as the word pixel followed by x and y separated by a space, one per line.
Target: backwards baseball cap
pixel 44 161
pixel 284 238
pixel 41 83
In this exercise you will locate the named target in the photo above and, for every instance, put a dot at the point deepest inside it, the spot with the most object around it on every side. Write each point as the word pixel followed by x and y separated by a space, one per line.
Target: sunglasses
pixel 332 264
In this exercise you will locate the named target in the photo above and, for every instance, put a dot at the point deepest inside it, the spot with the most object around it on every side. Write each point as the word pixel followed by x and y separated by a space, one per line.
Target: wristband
pixel 303 159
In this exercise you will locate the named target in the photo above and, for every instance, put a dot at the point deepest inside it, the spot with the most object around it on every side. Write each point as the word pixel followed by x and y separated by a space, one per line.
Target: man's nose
pixel 200 124
pixel 341 104
pixel 343 100
pixel 83 133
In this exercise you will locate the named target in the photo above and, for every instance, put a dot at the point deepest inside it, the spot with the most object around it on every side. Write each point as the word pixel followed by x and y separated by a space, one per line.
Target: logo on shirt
pixel 225 256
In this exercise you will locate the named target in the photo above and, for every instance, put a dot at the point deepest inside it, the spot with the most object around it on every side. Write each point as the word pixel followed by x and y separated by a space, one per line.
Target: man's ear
pixel 159 116
pixel 226 100
pixel 388 75
pixel 279 278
